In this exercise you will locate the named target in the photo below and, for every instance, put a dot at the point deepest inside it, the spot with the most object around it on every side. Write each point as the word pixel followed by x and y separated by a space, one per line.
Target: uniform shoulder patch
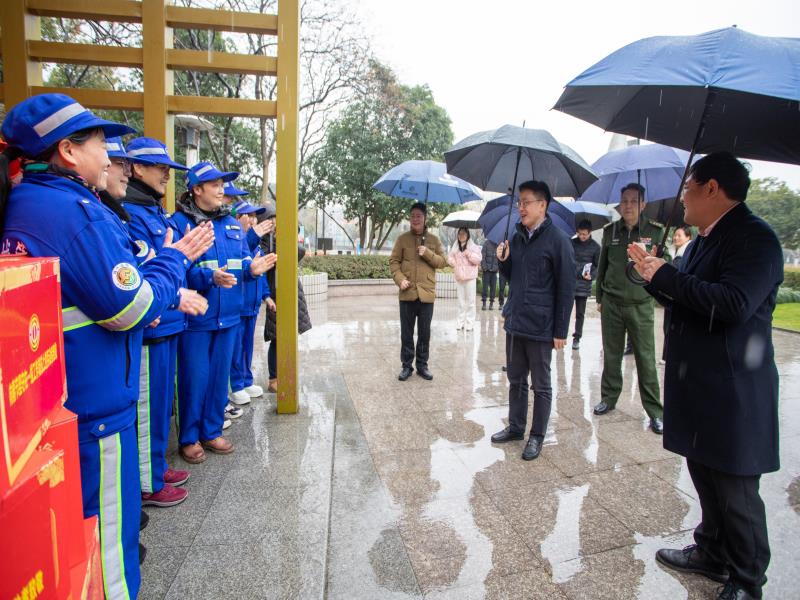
pixel 126 277
pixel 143 248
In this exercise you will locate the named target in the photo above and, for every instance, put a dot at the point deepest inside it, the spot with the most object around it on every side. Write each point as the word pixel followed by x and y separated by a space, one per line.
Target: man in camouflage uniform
pixel 625 306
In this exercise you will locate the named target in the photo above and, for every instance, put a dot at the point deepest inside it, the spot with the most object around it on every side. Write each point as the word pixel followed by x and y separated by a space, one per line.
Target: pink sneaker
pixel 173 477
pixel 168 496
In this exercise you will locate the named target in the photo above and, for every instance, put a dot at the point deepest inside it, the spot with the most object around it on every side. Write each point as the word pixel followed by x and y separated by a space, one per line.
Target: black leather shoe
pixel 689 560
pixel 144 519
pixel 483 305
pixel 506 435
pixel 576 344
pixel 142 554
pixel 657 425
pixel 424 373
pixel 602 408
pixel 405 373
pixel 732 591
pixel 533 448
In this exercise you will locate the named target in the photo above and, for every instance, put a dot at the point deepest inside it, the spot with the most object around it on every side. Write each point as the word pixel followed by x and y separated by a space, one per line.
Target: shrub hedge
pixel 791 279
pixel 349 267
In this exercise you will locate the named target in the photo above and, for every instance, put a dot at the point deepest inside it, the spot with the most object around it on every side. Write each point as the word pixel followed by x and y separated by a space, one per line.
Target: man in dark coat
pixel 721 382
pixel 587 257
pixel 541 270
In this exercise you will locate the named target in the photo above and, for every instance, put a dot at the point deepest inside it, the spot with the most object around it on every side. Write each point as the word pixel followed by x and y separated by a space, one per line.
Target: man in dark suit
pixel 721 382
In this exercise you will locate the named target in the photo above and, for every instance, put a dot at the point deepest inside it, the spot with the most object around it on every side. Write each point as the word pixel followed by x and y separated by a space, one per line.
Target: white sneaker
pixel 233 412
pixel 241 397
pixel 254 391
pixel 226 423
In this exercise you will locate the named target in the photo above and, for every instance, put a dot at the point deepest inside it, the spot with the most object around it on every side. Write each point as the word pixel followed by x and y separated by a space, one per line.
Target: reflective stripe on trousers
pixel 143 423
pixel 111 518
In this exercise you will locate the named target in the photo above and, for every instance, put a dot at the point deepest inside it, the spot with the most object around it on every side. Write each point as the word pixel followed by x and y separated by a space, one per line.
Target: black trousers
pixel 580 313
pixel 419 313
pixel 525 356
pixel 501 291
pixel 489 285
pixel 733 530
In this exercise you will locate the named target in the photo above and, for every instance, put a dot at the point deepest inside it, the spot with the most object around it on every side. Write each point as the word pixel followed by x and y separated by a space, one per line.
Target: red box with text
pixel 32 370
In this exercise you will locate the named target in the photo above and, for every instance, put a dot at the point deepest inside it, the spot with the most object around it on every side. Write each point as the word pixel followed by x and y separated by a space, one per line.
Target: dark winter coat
pixel 489 257
pixel 303 317
pixel 541 274
pixel 587 252
pixel 721 382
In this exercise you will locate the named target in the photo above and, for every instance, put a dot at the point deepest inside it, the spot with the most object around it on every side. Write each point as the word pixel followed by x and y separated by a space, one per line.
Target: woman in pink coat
pixel 465 257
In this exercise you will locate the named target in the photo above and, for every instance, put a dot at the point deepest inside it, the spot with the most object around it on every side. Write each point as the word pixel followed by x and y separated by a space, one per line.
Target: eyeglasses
pixel 125 165
pixel 526 203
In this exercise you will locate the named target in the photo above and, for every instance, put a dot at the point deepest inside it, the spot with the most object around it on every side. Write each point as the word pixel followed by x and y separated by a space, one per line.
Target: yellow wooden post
pixel 286 184
pixel 158 81
pixel 19 72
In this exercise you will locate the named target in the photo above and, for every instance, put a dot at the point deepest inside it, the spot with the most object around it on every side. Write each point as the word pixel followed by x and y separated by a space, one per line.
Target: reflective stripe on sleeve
pixel 209 264
pixel 133 313
pixel 234 264
pixel 73 318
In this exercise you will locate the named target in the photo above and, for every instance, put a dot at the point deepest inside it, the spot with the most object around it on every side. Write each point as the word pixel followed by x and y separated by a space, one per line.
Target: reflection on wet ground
pixel 382 489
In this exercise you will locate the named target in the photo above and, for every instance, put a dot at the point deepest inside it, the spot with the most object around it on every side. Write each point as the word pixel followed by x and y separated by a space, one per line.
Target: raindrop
pixel 694 440
pixel 711 319
pixel 660 96
pixel 723 108
pixel 646 126
pixel 735 140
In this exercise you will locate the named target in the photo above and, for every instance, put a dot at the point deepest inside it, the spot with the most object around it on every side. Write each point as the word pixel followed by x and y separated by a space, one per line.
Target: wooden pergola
pixel 23 52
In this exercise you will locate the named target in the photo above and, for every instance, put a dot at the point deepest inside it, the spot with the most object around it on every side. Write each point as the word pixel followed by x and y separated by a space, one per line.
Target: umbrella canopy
pixel 426 181
pixel 496 226
pixel 596 214
pixel 742 90
pixel 463 218
pixel 495 160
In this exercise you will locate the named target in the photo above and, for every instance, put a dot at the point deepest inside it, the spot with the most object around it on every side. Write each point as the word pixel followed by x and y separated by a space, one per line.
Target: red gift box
pixel 28 545
pixel 66 499
pixel 31 358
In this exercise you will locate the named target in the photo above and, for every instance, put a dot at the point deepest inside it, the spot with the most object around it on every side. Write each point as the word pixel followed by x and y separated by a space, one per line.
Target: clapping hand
pixel 646 264
pixel 224 279
pixel 194 242
pixel 262 264
pixel 192 303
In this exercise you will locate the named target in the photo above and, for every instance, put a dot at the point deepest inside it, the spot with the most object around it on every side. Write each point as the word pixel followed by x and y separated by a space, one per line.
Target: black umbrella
pixel 496 160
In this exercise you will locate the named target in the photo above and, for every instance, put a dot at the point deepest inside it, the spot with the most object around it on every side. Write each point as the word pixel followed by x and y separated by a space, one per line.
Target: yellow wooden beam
pixel 221 62
pixel 181 17
pixel 287 136
pixel 125 11
pixel 19 73
pixel 229 107
pixel 94 98
pixel 84 54
pixel 157 37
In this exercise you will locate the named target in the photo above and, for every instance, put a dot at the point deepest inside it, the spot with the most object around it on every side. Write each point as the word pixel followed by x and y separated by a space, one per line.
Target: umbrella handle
pixel 630 271
pixel 513 188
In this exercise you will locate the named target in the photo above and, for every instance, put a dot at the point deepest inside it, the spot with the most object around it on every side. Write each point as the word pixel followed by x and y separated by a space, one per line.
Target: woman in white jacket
pixel 465 257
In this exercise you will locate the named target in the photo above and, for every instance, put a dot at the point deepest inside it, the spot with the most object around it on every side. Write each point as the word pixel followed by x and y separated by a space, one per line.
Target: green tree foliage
pixel 390 123
pixel 778 205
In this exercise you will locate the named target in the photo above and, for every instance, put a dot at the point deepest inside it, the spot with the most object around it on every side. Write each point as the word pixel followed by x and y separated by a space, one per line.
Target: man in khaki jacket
pixel 415 257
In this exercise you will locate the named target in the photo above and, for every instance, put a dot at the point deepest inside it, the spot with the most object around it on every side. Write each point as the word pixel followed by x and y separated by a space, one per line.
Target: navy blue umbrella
pixel 497 227
pixel 721 90
pixel 596 214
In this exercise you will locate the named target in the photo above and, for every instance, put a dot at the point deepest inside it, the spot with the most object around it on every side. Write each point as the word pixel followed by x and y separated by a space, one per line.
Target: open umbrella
pixel 656 167
pixel 462 218
pixel 596 214
pixel 721 90
pixel 497 227
pixel 496 160
pixel 426 181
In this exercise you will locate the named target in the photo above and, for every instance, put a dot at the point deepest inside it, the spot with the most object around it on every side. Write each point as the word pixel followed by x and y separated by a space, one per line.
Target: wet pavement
pixel 382 489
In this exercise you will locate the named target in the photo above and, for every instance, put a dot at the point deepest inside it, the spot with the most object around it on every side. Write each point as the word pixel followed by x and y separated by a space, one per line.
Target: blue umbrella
pixel 426 181
pixel 721 90
pixel 597 215
pixel 658 168
pixel 497 227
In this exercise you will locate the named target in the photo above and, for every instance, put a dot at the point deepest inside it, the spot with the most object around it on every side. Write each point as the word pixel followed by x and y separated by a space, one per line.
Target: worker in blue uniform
pixel 205 349
pixel 105 296
pixel 255 292
pixel 150 173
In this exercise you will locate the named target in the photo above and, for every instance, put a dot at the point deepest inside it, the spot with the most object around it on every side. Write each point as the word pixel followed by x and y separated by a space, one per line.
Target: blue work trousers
pixel 241 372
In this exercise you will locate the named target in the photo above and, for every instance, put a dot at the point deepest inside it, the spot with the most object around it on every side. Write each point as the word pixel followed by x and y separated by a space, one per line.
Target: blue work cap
pixel 147 151
pixel 39 122
pixel 243 207
pixel 115 148
pixel 232 190
pixel 206 171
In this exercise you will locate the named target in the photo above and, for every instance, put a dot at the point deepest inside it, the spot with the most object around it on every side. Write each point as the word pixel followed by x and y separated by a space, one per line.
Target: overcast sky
pixel 507 61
